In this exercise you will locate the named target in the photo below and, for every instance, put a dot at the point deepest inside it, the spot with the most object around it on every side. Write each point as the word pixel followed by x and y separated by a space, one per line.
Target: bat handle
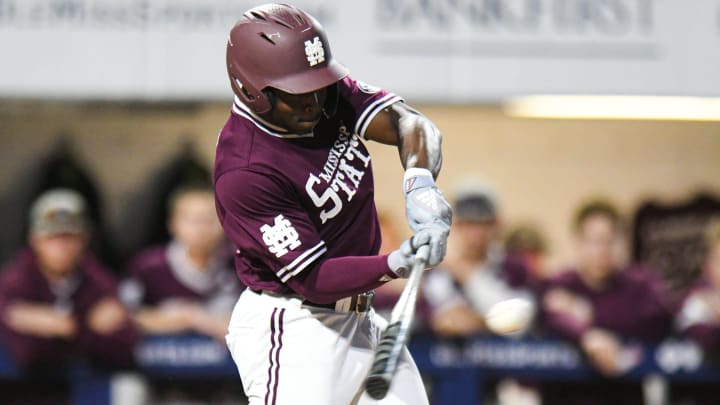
pixel 422 255
pixel 378 381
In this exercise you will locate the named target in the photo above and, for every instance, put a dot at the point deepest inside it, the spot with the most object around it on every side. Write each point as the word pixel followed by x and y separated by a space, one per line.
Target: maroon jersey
pixel 632 306
pixel 162 274
pixel 21 281
pixel 288 200
pixel 697 319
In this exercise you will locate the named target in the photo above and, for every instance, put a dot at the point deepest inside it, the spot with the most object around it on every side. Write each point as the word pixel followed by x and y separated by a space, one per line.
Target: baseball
pixel 509 316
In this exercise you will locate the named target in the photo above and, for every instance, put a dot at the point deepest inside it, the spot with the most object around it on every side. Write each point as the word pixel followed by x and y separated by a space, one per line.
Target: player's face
pixel 58 254
pixel 297 113
pixel 598 246
pixel 194 222
pixel 475 236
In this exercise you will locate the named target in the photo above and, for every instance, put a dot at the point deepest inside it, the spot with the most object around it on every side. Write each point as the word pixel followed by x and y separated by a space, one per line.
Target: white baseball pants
pixel 288 353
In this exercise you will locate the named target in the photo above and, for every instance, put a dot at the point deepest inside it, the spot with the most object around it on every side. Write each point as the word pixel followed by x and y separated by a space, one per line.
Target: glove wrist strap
pixel 417 177
pixel 397 263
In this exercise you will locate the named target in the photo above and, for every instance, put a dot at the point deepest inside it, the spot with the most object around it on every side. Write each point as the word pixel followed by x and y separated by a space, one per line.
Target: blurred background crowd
pixel 604 212
pixel 68 293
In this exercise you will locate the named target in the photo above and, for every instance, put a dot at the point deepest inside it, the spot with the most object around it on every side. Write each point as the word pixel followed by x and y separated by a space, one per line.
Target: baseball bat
pixel 393 339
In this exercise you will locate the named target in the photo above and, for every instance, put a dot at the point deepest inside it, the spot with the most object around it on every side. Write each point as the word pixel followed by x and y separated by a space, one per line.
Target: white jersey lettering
pixel 342 172
pixel 320 200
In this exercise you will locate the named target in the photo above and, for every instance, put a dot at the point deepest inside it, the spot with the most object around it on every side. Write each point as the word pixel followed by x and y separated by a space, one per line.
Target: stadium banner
pixel 449 51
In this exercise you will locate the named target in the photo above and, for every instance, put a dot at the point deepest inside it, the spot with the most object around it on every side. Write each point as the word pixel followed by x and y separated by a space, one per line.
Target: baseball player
pixel 294 192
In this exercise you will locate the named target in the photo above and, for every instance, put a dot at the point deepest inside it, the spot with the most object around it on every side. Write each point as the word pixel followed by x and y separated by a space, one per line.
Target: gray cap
pixel 58 211
pixel 475 201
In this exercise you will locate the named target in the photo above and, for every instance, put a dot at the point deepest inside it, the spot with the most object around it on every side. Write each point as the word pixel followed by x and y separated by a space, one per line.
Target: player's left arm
pixel 419 144
pixel 418 140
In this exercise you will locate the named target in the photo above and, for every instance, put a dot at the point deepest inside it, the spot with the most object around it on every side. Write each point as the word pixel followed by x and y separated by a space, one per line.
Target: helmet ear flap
pixel 271 97
pixel 259 103
pixel 331 100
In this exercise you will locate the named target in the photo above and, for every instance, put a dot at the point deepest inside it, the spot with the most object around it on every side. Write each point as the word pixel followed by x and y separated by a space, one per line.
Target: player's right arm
pixel 270 228
pixel 40 320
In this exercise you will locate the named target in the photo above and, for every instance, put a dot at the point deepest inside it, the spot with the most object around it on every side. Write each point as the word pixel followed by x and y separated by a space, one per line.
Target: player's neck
pixel 54 277
pixel 199 258
pixel 473 257
pixel 595 282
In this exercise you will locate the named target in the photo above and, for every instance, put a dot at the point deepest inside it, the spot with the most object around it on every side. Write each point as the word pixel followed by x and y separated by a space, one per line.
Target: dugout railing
pixel 456 369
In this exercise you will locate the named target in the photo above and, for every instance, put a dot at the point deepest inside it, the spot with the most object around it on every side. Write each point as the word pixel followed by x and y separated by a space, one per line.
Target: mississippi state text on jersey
pixel 297 198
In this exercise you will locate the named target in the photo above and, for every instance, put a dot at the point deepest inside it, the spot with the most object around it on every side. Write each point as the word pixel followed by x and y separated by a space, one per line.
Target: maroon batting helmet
pixel 279 46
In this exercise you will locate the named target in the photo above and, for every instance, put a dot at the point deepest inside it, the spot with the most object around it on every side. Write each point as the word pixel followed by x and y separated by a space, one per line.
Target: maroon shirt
pixel 22 281
pixel 159 275
pixel 697 320
pixel 289 201
pixel 633 306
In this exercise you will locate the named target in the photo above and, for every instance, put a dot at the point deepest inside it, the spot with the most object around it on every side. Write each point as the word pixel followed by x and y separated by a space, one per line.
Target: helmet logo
pixel 314 51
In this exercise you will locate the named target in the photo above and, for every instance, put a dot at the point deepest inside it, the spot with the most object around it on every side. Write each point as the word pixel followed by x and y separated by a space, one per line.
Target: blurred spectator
pixel 601 306
pixel 62 168
pixel 470 279
pixel 57 302
pixel 699 317
pixel 525 248
pixel 188 284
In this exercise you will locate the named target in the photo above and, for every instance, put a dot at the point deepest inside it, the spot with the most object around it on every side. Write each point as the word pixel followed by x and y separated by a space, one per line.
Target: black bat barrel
pixel 387 355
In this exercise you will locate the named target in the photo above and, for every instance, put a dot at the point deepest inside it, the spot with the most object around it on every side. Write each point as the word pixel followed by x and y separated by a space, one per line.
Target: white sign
pixel 425 50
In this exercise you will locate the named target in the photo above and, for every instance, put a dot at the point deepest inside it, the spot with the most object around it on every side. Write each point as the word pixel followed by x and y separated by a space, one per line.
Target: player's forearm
pixel 161 321
pixel 215 326
pixel 39 320
pixel 341 277
pixel 419 142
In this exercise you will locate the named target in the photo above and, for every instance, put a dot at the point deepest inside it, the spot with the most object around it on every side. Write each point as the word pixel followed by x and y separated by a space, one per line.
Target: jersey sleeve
pixel 267 224
pixel 366 101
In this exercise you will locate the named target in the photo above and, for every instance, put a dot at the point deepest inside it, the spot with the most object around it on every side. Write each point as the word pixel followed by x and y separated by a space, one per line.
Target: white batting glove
pixel 401 260
pixel 427 211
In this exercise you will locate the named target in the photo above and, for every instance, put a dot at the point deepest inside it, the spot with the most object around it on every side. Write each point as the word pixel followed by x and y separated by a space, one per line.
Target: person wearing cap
pixel 470 279
pixel 57 302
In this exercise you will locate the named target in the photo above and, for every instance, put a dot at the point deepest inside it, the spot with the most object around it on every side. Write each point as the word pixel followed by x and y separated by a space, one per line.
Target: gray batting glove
pixel 401 260
pixel 427 210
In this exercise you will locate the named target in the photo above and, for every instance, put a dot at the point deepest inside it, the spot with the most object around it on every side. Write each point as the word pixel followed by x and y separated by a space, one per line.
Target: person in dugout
pixel 189 283
pixel 57 301
pixel 605 306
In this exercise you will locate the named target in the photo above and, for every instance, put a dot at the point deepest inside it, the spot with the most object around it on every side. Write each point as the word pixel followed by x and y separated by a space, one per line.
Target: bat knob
pixel 377 387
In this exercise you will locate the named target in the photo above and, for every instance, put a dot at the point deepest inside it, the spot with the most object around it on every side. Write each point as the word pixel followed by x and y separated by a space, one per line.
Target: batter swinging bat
pixel 394 337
